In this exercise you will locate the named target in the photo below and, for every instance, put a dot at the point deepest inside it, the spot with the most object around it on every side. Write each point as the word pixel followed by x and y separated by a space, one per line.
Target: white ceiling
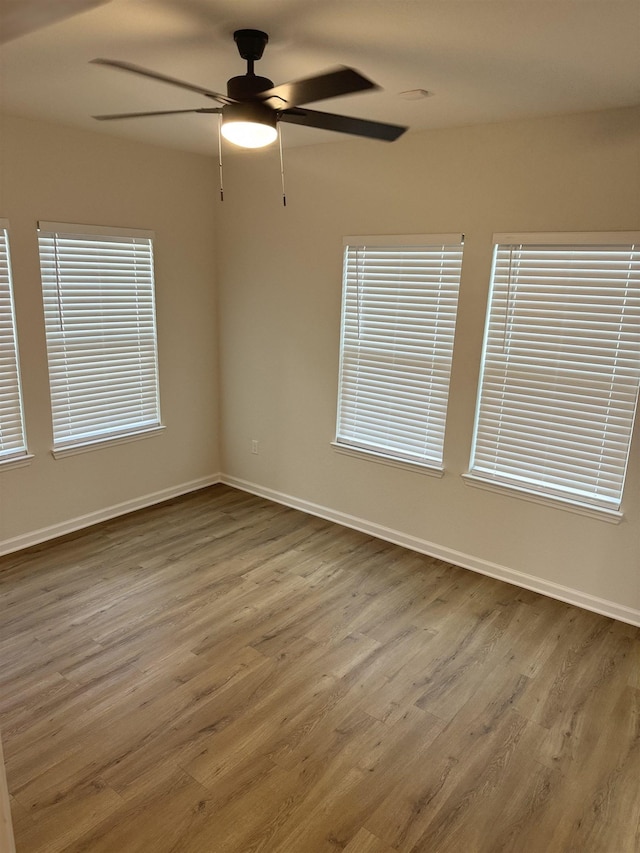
pixel 482 60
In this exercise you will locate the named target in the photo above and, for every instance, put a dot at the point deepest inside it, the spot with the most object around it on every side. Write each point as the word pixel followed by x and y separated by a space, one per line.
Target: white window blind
pixel 12 437
pixel 400 298
pixel 98 290
pixel 561 366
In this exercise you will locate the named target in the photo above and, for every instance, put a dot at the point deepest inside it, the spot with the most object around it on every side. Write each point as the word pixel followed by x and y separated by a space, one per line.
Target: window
pixel 99 307
pixel 400 297
pixel 12 438
pixel 561 366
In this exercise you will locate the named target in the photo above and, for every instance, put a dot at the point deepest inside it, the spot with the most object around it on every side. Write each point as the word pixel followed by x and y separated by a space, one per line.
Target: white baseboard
pixel 17 543
pixel 431 549
pixel 422 546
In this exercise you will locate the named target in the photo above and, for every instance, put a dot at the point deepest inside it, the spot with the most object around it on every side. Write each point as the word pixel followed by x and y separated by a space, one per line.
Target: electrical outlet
pixel 254 446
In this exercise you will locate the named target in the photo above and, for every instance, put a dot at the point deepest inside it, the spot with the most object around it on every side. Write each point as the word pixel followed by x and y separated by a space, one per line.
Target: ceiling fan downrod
pixel 251 45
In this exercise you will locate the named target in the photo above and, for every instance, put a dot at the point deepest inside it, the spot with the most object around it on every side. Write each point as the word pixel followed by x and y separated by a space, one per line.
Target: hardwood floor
pixel 220 674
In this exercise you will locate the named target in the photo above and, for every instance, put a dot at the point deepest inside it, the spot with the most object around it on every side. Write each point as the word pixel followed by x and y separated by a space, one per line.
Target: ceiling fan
pixel 253 106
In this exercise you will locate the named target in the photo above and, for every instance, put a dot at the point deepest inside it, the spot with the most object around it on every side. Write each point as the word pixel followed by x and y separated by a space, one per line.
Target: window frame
pixel 113 360
pixel 15 453
pixel 573 364
pixel 428 344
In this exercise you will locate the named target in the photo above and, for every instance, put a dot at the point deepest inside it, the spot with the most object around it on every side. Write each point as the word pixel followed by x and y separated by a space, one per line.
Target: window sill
pixel 371 456
pixel 86 446
pixel 16 461
pixel 611 516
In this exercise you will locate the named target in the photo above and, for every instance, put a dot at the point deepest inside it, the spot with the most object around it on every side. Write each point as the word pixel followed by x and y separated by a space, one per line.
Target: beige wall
pixel 279 292
pixel 54 173
pixel 280 288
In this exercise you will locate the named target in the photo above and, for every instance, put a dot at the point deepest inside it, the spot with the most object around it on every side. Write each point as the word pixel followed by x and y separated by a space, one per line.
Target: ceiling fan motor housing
pixel 247 87
pixel 250 111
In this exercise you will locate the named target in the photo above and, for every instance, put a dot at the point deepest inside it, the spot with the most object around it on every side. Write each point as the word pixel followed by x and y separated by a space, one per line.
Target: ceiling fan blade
pixel 156 113
pixel 331 84
pixel 154 75
pixel 343 124
pixel 19 17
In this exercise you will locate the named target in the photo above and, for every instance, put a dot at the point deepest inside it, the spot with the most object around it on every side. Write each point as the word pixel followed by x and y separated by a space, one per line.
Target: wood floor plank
pixel 365 842
pixel 157 819
pixel 58 822
pixel 222 674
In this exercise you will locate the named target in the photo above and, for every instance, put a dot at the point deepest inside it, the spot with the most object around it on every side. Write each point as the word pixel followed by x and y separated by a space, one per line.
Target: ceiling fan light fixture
pixel 249 134
pixel 249 125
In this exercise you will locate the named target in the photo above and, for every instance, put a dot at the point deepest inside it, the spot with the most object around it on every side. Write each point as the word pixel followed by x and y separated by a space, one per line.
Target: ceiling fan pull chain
pixel 284 196
pixel 220 155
